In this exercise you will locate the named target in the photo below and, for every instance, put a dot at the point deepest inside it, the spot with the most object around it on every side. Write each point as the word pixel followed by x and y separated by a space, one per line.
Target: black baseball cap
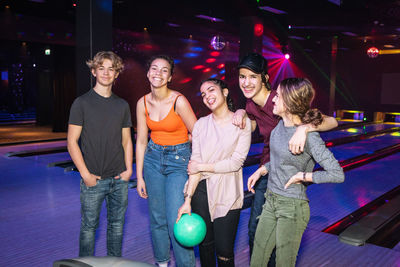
pixel 254 62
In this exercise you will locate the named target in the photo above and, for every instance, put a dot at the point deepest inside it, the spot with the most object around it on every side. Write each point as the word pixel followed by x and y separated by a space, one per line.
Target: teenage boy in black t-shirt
pixel 102 121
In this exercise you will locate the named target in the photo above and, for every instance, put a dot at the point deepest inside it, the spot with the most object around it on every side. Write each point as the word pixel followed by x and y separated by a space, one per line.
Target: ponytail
pixel 312 116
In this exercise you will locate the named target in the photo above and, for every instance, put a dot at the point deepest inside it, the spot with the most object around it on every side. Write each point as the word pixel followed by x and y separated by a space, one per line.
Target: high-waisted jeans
pixel 165 174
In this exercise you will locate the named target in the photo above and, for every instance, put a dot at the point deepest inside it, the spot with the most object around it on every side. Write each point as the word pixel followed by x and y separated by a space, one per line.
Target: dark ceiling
pixel 355 21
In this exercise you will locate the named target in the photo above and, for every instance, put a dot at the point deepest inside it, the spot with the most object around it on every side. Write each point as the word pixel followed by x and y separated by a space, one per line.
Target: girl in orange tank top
pixel 161 163
pixel 169 131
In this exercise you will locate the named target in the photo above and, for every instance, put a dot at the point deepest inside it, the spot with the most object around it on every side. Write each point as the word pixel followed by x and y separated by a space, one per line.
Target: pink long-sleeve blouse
pixel 226 146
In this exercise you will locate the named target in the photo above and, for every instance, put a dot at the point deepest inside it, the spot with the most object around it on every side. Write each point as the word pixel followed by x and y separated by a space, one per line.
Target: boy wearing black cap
pixel 253 81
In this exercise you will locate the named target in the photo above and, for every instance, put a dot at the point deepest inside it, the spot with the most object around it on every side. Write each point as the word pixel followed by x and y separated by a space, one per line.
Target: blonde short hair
pixel 98 59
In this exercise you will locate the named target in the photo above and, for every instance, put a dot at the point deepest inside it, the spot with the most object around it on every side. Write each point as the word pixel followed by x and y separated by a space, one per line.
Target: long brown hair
pixel 297 95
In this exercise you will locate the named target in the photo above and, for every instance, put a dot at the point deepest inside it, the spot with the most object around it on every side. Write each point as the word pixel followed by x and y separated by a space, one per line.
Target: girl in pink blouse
pixel 215 186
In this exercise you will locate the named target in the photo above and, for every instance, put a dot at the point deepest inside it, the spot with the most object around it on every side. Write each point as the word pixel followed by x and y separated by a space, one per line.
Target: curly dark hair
pixel 166 58
pixel 222 85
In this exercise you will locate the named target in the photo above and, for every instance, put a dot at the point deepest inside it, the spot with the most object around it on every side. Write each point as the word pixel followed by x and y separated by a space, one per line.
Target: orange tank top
pixel 169 131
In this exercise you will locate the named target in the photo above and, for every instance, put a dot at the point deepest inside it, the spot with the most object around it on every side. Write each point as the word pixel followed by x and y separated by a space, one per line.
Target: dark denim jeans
pixel 256 209
pixel 115 192
pixel 165 175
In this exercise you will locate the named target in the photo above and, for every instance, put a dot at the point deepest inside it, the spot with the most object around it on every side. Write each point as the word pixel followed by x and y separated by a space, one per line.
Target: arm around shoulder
pixel 298 140
pixel 328 123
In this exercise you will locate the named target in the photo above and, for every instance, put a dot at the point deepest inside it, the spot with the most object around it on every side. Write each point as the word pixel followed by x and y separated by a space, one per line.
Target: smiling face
pixel 213 96
pixel 279 106
pixel 250 82
pixel 105 73
pixel 159 73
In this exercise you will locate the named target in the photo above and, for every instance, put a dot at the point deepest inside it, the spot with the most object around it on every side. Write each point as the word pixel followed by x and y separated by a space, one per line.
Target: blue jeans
pixel 165 174
pixel 256 209
pixel 115 192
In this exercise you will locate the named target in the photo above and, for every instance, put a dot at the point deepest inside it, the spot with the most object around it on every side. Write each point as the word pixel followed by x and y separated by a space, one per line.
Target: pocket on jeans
pixel 286 208
pixel 121 180
pixel 85 187
pixel 183 155
pixel 304 212
pixel 147 150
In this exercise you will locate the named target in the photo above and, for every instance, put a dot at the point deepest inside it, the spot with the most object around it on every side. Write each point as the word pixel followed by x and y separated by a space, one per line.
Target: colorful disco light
pixel 198 67
pixel 373 52
pixel 258 29
pixel 196 49
pixel 352 130
pixel 217 42
pixel 186 80
pixel 191 55
pixel 146 47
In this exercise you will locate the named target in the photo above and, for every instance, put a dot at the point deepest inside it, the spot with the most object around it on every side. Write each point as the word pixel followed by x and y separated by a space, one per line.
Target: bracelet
pixel 304 176
pixel 186 195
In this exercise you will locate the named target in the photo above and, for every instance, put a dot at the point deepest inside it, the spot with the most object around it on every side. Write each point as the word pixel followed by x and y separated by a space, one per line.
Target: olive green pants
pixel 281 224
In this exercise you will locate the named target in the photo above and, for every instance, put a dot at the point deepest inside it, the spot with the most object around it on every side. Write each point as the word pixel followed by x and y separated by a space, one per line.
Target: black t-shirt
pixel 102 120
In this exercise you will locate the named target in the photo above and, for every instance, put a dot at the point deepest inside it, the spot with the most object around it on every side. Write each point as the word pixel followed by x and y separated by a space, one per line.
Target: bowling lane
pixel 331 202
pixel 356 130
pixel 32 146
pixel 255 149
pixel 354 149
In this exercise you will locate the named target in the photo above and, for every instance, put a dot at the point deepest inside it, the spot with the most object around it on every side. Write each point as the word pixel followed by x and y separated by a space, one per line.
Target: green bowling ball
pixel 190 230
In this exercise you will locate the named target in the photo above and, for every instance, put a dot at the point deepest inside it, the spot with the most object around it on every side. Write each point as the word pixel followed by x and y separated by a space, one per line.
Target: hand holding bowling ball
pixel 185 208
pixel 190 230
